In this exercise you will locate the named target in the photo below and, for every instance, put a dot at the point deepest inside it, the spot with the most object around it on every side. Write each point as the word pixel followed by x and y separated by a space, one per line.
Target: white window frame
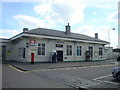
pixel 69 50
pixel 59 45
pixel 100 51
pixel 90 48
pixel 79 49
pixel 41 48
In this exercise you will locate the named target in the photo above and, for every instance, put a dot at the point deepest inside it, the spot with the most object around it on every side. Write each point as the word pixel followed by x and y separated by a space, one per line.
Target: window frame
pixel 58 45
pixel 100 51
pixel 69 50
pixel 41 49
pixel 79 50
pixel 90 48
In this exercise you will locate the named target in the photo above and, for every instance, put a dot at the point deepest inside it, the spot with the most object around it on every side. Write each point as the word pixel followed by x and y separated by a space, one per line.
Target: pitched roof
pixel 56 33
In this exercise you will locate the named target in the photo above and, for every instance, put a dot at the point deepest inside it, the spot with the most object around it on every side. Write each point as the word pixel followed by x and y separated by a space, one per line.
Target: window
pixel 41 49
pixel 79 50
pixel 69 50
pixel 100 51
pixel 91 50
pixel 59 45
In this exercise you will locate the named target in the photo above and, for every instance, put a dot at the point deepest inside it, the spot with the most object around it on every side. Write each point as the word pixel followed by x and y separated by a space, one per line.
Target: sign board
pixel 32 42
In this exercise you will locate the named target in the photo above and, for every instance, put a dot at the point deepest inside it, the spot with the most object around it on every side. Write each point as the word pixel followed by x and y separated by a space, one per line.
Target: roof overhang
pixel 2 40
pixel 57 38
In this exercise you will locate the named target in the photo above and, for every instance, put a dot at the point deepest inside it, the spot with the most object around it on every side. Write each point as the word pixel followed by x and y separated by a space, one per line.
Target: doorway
pixel 60 56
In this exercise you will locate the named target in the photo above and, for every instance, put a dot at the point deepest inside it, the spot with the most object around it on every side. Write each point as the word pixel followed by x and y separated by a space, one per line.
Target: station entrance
pixel 60 56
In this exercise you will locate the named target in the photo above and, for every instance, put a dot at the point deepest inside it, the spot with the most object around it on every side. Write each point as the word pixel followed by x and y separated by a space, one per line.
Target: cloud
pixel 90 30
pixel 94 13
pixel 20 0
pixel 61 11
pixel 8 33
pixel 44 0
pixel 28 21
pixel 31 22
pixel 113 35
pixel 54 13
pixel 113 17
pixel 86 29
pixel 108 4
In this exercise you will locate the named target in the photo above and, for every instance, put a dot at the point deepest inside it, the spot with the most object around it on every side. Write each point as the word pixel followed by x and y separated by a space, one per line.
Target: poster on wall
pixel 32 42
pixel 96 53
pixel 8 52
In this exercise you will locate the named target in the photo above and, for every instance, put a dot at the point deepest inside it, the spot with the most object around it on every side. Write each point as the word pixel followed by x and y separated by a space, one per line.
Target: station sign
pixel 32 42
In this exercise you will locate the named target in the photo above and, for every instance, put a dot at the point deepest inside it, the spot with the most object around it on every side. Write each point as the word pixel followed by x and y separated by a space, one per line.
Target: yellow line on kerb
pixel 66 68
pixel 70 68
pixel 17 69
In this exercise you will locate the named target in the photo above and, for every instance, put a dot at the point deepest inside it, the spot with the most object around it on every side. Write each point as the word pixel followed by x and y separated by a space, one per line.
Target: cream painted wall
pixel 50 44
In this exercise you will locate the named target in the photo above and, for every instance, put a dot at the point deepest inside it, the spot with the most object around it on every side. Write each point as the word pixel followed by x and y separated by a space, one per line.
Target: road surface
pixel 98 76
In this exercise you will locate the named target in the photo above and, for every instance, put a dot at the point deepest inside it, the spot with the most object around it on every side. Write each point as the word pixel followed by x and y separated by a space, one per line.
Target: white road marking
pixel 106 82
pixel 102 77
pixel 97 79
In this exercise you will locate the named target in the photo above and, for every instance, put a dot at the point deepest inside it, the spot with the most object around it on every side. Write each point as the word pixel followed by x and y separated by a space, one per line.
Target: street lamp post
pixel 109 40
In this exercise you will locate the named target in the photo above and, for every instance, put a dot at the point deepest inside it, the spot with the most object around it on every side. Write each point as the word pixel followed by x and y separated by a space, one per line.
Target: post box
pixel 32 58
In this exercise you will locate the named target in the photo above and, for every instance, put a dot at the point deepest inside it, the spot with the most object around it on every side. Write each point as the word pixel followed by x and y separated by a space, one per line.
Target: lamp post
pixel 109 40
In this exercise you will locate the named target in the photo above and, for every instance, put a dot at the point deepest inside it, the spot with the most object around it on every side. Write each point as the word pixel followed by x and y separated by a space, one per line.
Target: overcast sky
pixel 84 16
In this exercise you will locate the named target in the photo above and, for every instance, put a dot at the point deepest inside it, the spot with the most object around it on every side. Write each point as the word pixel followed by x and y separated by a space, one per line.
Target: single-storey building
pixel 41 41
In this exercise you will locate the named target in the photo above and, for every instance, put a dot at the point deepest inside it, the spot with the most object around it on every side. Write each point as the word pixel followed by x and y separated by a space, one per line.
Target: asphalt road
pixel 89 72
pixel 12 78
pixel 88 77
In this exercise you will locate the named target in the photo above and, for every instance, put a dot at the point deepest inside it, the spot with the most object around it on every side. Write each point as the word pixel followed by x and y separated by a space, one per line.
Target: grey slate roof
pixel 56 33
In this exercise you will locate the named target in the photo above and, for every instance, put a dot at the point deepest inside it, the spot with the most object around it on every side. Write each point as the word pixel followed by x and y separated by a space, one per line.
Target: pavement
pixel 38 66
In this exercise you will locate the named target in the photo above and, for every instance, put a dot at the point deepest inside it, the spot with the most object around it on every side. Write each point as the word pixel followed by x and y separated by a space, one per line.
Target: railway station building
pixel 70 47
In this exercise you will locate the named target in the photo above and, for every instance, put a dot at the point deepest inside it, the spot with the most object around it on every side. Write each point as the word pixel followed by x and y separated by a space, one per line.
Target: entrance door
pixel 59 56
pixel 3 53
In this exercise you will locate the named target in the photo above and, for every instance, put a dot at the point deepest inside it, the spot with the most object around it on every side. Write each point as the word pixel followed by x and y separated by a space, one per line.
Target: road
pixel 12 78
pixel 85 77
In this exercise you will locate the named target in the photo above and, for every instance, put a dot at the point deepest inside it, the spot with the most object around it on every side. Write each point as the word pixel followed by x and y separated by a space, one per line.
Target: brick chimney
pixel 96 35
pixel 67 28
pixel 25 29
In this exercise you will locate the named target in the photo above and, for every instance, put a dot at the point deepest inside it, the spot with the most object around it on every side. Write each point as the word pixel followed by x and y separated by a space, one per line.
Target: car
pixel 116 73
